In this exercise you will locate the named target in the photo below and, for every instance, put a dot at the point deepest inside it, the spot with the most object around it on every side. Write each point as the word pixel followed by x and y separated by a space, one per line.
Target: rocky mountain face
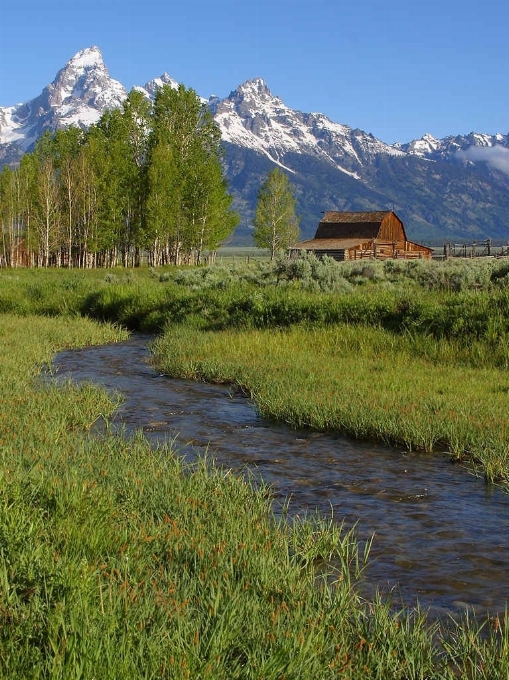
pixel 80 93
pixel 252 118
pixel 461 148
pixel 455 188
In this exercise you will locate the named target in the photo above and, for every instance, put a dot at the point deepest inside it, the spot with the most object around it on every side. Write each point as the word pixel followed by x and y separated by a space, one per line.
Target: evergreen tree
pixel 276 223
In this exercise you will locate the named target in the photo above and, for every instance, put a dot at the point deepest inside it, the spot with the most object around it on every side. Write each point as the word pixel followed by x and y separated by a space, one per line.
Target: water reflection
pixel 441 536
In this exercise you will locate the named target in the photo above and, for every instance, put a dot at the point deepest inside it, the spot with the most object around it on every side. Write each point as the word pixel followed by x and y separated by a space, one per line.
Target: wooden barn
pixel 358 235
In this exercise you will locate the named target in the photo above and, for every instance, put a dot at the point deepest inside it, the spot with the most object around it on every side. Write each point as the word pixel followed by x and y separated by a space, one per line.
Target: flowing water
pixel 441 536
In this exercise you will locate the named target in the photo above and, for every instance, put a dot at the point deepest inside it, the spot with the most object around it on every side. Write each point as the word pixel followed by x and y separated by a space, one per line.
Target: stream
pixel 441 536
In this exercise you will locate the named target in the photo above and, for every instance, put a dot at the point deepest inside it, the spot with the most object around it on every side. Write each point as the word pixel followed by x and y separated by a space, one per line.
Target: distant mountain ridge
pixel 456 188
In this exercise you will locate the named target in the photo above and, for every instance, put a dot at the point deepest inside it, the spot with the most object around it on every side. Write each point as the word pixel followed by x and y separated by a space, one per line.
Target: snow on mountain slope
pixel 80 93
pixel 252 117
pixel 150 88
pixel 446 148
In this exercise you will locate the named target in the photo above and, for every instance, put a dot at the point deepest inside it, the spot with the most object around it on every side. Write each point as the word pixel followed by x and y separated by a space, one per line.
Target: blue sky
pixel 395 68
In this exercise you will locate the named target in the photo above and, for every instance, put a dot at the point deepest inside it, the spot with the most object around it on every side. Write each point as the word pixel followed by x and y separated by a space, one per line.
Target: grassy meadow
pixel 120 561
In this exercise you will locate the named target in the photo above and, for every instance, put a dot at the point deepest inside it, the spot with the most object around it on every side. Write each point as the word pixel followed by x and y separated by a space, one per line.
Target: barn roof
pixel 337 216
pixel 357 225
pixel 419 245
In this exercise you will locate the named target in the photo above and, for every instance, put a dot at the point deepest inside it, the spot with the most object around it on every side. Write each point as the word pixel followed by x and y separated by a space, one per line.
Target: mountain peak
pixel 87 58
pixel 150 88
pixel 256 87
pixel 84 81
pixel 258 83
pixel 85 67
pixel 428 137
pixel 254 96
pixel 81 91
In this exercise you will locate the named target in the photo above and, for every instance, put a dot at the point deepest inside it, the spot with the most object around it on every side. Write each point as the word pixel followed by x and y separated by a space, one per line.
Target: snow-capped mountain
pixel 442 188
pixel 80 93
pixel 436 186
pixel 462 148
pixel 253 118
pixel 150 88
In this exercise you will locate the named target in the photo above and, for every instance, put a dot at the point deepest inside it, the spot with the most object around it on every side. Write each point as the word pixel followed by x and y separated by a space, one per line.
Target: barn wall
pixel 391 229
pixel 415 248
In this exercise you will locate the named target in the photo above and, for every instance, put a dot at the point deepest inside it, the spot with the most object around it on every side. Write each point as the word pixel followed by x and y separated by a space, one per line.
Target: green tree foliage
pixel 211 218
pixel 276 223
pixel 14 213
pixel 125 135
pixel 188 207
pixel 144 178
pixel 8 215
pixel 25 177
pixel 66 145
pixel 48 206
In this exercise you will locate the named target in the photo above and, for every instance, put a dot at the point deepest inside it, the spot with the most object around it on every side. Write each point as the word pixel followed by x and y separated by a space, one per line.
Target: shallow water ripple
pixel 441 537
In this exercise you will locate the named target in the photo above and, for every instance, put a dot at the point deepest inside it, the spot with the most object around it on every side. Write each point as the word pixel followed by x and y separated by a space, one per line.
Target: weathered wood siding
pixel 391 229
pixel 360 235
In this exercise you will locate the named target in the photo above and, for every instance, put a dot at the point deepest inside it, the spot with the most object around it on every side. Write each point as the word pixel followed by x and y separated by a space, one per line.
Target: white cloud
pixel 497 156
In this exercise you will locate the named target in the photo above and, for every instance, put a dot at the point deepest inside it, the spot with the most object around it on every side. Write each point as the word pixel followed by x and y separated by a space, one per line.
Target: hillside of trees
pixel 145 182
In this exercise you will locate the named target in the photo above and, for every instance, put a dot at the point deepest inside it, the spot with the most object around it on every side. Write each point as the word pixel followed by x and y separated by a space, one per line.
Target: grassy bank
pixel 365 382
pixel 118 561
pixel 407 353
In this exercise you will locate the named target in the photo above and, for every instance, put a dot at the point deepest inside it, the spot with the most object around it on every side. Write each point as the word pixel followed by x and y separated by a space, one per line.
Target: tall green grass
pixel 120 561
pixel 418 335
pixel 359 380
